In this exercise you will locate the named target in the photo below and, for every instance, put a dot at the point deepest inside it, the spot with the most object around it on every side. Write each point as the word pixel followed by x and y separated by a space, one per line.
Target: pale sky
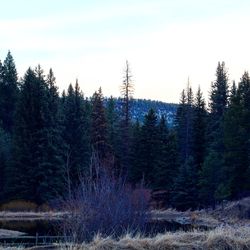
pixel 165 42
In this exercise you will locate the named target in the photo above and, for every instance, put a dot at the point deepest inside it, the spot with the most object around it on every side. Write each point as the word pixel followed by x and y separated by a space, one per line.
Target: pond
pixel 38 232
pixel 31 227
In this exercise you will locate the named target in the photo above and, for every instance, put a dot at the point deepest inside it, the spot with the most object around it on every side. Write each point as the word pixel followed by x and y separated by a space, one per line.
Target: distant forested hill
pixel 140 107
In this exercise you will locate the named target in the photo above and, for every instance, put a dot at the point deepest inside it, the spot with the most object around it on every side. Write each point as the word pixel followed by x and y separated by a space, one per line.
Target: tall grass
pixel 221 238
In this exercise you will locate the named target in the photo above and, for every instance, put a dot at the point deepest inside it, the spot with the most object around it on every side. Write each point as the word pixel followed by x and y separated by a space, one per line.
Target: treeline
pixel 49 141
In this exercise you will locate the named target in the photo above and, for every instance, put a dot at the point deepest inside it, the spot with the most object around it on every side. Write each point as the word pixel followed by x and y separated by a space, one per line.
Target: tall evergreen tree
pixel 27 123
pixel 148 157
pixel 76 136
pixel 8 92
pixel 36 159
pixel 184 124
pixel 98 124
pixel 135 174
pixel 199 130
pixel 127 90
pixel 5 155
pixel 219 93
pixel 212 175
pixel 166 169
pixel 236 139
pixel 112 122
pixel 53 148
pixel 185 195
pixel 191 129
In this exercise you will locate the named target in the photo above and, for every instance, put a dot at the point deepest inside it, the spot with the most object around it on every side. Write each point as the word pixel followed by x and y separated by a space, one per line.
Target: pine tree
pixel 8 92
pixel 127 90
pixel 28 123
pixel 219 93
pixel 236 139
pixel 191 131
pixel 99 135
pixel 185 195
pixel 53 146
pixel 244 89
pixel 112 123
pixel 36 159
pixel 8 98
pixel 166 169
pixel 134 174
pixel 184 124
pixel 76 136
pixel 199 130
pixel 212 174
pixel 179 123
pixel 148 157
pixel 5 155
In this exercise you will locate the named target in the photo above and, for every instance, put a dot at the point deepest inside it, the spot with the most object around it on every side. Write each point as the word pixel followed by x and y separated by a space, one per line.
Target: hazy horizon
pixel 165 42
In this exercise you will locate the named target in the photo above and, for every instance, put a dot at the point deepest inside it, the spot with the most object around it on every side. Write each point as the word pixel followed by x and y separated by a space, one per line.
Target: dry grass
pixel 221 238
pixel 196 218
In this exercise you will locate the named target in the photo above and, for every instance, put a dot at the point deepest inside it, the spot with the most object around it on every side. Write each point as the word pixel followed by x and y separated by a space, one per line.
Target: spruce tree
pixel 20 174
pixel 184 124
pixel 199 130
pixel 166 168
pixel 236 139
pixel 148 157
pixel 76 136
pixel 36 159
pixel 212 188
pixel 185 195
pixel 5 155
pixel 8 92
pixel 53 148
pixel 99 134
pixel 134 174
pixel 112 122
pixel 191 134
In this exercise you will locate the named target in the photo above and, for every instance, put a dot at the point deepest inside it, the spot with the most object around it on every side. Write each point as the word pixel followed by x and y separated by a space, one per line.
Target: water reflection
pixel 31 227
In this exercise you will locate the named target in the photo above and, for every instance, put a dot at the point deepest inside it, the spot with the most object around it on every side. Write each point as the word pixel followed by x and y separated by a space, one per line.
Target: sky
pixel 165 42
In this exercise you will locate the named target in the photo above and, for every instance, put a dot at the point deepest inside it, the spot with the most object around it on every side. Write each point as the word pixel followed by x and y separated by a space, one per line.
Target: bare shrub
pixel 105 205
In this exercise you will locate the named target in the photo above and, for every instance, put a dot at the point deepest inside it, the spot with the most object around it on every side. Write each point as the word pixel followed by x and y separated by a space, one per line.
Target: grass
pixel 198 218
pixel 221 238
pixel 217 239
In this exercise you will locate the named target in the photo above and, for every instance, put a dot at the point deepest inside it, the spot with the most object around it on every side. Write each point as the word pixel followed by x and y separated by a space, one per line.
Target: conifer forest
pixel 49 140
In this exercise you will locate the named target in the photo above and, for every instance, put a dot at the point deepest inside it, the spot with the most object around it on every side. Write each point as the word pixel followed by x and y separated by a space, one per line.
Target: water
pixel 31 227
pixel 38 232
